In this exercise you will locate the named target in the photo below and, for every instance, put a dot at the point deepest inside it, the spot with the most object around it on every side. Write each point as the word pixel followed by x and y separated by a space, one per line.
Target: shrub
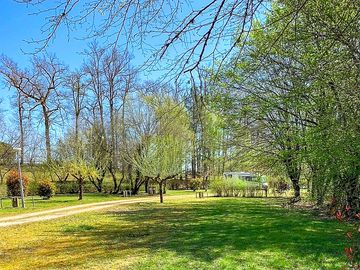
pixel 67 187
pixel 217 186
pixel 13 184
pixel 229 187
pixel 195 183
pixel 240 187
pixel 72 187
pixel 46 189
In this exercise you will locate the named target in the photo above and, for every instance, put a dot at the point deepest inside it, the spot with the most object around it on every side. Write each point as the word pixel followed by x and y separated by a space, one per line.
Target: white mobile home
pixel 241 175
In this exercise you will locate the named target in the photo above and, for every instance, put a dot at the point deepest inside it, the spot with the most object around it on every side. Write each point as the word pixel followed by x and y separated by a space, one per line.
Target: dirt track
pixel 71 210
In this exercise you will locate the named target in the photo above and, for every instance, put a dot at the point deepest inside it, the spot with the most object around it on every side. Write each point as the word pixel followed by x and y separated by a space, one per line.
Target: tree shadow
pixel 205 231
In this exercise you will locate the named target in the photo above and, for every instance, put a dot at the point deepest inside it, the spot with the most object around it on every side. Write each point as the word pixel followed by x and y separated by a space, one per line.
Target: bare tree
pixel 14 78
pixel 77 95
pixel 96 81
pixel 40 84
pixel 109 78
pixel 118 76
pixel 8 140
pixel 96 84
pixel 116 72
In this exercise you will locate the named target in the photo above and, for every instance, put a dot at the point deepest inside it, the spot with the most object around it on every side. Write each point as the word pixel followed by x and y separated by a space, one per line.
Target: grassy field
pixel 210 233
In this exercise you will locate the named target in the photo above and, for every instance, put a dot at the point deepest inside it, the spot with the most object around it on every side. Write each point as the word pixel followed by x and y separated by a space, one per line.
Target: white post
pixel 18 150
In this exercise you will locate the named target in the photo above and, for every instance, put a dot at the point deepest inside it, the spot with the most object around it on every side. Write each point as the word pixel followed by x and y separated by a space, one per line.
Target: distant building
pixel 247 176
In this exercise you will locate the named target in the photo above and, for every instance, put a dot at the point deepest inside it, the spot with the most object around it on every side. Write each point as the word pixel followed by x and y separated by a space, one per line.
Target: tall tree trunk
pixel 193 161
pixel 293 168
pixel 296 186
pixel 136 188
pixel 47 132
pixel 353 193
pixel 135 185
pixel 294 175
pixel 137 179
pixel 116 185
pixel 97 182
pixel 112 134
pixel 147 185
pixel 77 119
pixel 224 151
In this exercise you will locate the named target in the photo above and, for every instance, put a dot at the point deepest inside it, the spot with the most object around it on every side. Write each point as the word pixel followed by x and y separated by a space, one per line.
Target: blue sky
pixel 18 26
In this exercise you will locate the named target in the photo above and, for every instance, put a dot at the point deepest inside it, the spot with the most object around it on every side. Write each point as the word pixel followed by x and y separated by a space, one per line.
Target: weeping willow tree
pixel 164 151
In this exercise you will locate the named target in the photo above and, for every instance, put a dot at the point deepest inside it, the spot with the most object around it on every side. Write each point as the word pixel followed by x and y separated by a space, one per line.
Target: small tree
pixel 74 159
pixel 161 160
pixel 81 170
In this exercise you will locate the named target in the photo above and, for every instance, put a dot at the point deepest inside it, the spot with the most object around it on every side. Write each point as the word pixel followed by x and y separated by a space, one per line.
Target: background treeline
pixel 102 125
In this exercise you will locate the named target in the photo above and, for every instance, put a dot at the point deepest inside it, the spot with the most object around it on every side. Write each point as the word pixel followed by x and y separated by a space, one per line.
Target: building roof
pixel 243 174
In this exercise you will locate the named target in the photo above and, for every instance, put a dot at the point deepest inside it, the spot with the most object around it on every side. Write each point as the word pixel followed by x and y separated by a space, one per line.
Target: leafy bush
pixel 195 183
pixel 239 187
pixel 217 185
pixel 13 184
pixel 67 187
pixel 46 189
pixel 228 187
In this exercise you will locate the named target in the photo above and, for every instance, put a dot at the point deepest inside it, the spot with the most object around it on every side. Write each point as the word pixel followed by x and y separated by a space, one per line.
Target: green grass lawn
pixel 210 233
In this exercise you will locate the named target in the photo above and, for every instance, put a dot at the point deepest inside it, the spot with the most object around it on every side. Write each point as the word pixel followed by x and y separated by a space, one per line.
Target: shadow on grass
pixel 207 230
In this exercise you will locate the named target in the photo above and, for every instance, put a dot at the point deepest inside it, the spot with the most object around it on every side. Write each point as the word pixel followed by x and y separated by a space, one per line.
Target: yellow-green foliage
pixel 80 169
pixel 164 151
pixel 195 183
pixel 229 186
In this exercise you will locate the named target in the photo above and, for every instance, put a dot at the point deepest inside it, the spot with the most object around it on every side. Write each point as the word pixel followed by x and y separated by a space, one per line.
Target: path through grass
pixel 59 201
pixel 55 202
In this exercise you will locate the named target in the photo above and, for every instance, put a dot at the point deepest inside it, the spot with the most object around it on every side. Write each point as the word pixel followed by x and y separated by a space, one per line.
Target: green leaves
pixel 162 153
pixel 295 90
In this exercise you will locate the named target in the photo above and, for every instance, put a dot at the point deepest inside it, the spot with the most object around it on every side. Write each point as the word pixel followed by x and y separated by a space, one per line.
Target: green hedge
pixel 71 187
pixel 232 187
